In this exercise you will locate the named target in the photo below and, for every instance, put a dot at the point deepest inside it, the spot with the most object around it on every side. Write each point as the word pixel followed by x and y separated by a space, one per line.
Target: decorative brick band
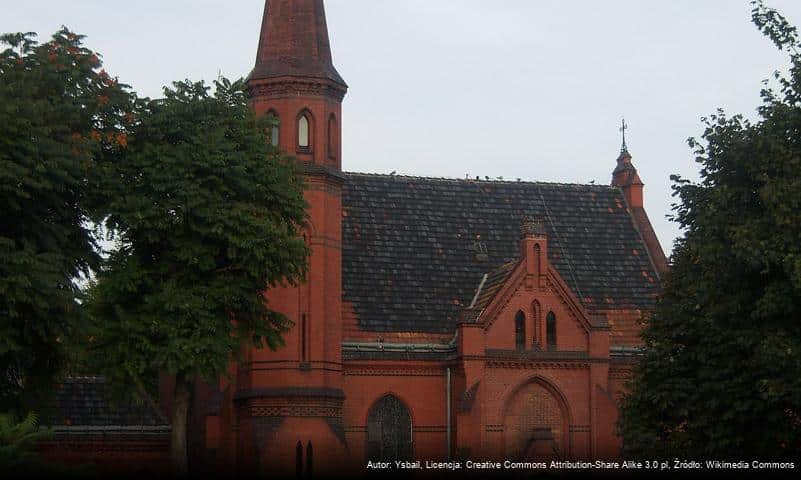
pixel 580 428
pixel 577 365
pixel 296 411
pixel 264 89
pixel 393 372
pixel 494 428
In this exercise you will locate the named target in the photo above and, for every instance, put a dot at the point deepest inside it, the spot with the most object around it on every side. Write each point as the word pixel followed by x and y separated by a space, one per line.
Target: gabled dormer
pixel 525 307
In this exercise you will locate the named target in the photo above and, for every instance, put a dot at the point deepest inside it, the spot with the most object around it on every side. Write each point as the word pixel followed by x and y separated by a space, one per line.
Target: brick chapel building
pixel 440 318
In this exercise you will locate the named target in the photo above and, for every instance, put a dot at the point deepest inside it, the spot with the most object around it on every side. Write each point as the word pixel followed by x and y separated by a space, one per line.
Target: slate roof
pixel 82 402
pixel 487 289
pixel 415 249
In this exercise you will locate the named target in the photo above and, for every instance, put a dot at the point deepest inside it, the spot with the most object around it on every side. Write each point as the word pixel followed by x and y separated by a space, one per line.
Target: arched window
pixel 303 131
pixel 332 137
pixel 274 133
pixel 299 459
pixel 303 337
pixel 389 430
pixel 550 330
pixel 520 331
pixel 309 459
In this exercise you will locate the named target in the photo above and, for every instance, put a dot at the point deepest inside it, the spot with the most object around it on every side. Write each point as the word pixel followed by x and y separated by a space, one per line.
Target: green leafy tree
pixel 721 376
pixel 207 216
pixel 18 440
pixel 62 118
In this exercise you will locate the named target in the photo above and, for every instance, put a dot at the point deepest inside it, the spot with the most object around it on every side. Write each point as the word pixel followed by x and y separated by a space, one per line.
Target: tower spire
pixel 294 42
pixel 625 175
pixel 294 81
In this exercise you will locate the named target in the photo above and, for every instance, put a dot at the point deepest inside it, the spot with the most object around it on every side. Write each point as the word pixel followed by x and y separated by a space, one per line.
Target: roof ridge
pixel 473 180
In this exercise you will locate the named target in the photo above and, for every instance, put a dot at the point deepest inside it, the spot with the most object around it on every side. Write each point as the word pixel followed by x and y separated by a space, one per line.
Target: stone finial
pixel 532 226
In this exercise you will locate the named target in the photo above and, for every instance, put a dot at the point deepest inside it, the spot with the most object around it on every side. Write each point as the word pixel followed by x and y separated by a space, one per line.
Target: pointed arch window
pixel 389 430
pixel 309 459
pixel 274 132
pixel 333 137
pixel 303 131
pixel 550 330
pixel 299 459
pixel 520 331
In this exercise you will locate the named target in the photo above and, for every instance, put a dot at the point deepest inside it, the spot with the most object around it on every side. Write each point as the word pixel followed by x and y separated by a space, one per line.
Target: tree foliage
pixel 18 439
pixel 721 376
pixel 207 216
pixel 62 118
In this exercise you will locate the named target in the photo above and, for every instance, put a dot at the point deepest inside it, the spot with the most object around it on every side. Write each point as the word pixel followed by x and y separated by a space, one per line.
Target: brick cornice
pixel 280 87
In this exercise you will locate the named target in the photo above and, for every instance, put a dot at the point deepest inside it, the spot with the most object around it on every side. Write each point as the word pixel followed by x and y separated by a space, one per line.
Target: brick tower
pixel 289 401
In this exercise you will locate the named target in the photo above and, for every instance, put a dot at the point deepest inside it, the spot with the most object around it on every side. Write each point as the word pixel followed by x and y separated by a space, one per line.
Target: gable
pixel 414 249
pixel 534 300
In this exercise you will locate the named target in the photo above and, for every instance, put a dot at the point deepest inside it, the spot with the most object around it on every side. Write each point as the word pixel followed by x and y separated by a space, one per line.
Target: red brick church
pixel 441 318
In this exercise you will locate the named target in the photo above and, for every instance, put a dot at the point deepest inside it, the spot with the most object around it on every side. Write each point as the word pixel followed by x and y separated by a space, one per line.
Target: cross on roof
pixel 623 128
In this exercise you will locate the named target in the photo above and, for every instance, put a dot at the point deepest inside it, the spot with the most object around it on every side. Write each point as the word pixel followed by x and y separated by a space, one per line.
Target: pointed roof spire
pixel 625 175
pixel 294 42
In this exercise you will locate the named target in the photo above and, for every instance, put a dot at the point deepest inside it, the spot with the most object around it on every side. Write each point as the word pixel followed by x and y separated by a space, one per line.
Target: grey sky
pixel 529 89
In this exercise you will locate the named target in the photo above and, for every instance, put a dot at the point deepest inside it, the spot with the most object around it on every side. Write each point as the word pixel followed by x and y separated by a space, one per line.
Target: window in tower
pixel 303 131
pixel 303 337
pixel 273 133
pixel 332 137
pixel 309 459
pixel 299 458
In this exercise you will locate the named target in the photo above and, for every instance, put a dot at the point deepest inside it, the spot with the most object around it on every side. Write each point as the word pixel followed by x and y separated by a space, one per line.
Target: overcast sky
pixel 529 89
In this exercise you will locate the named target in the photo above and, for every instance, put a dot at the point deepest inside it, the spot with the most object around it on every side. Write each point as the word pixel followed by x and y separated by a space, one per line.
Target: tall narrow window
pixel 520 331
pixel 303 131
pixel 274 135
pixel 303 337
pixel 550 330
pixel 299 459
pixel 309 459
pixel 332 137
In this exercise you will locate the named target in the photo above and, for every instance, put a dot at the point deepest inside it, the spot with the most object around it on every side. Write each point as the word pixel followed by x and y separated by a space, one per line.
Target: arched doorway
pixel 535 423
pixel 389 430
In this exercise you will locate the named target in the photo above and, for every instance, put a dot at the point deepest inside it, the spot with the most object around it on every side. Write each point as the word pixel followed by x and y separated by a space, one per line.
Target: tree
pixel 208 216
pixel 721 376
pixel 17 441
pixel 61 119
